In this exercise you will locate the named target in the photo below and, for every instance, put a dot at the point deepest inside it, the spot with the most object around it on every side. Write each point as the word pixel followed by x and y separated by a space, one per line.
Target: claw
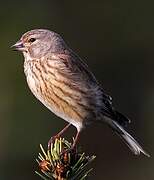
pixel 52 140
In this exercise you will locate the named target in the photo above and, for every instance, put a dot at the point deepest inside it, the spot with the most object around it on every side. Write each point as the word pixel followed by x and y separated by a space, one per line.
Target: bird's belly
pixel 58 105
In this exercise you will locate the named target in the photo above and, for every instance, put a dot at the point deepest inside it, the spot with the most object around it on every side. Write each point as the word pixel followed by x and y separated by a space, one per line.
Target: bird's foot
pixel 52 140
pixel 72 149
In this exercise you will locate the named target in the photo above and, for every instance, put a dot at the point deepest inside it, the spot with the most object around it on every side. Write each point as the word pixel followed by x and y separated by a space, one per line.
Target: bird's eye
pixel 31 40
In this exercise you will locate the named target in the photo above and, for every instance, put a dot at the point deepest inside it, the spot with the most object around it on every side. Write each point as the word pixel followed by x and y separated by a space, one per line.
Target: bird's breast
pixel 55 92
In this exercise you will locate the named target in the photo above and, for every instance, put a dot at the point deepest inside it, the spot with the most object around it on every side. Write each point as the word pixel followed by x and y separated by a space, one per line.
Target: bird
pixel 63 82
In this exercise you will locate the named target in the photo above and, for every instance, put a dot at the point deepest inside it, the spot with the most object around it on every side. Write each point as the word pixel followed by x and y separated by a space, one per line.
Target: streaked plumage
pixel 66 86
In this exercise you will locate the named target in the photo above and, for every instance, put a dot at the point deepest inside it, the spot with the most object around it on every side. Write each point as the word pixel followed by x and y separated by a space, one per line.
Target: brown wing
pixel 80 79
pixel 81 72
pixel 77 68
pixel 84 92
pixel 97 98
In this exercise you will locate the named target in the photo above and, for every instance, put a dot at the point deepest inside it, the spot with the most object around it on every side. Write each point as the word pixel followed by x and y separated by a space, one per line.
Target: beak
pixel 18 46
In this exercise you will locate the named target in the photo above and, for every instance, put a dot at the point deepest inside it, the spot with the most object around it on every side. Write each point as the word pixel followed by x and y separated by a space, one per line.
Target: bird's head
pixel 39 42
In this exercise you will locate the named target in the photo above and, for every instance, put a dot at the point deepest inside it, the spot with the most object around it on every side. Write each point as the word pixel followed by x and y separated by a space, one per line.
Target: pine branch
pixel 59 163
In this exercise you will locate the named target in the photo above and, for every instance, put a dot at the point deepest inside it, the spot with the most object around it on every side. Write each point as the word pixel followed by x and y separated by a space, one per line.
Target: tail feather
pixel 127 138
pixel 121 119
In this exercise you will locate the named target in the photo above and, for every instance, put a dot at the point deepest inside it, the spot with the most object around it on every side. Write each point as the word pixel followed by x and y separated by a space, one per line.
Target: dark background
pixel 116 39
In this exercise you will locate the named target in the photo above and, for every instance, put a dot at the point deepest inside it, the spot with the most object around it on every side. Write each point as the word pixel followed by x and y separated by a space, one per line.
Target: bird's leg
pixel 52 139
pixel 63 130
pixel 75 140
